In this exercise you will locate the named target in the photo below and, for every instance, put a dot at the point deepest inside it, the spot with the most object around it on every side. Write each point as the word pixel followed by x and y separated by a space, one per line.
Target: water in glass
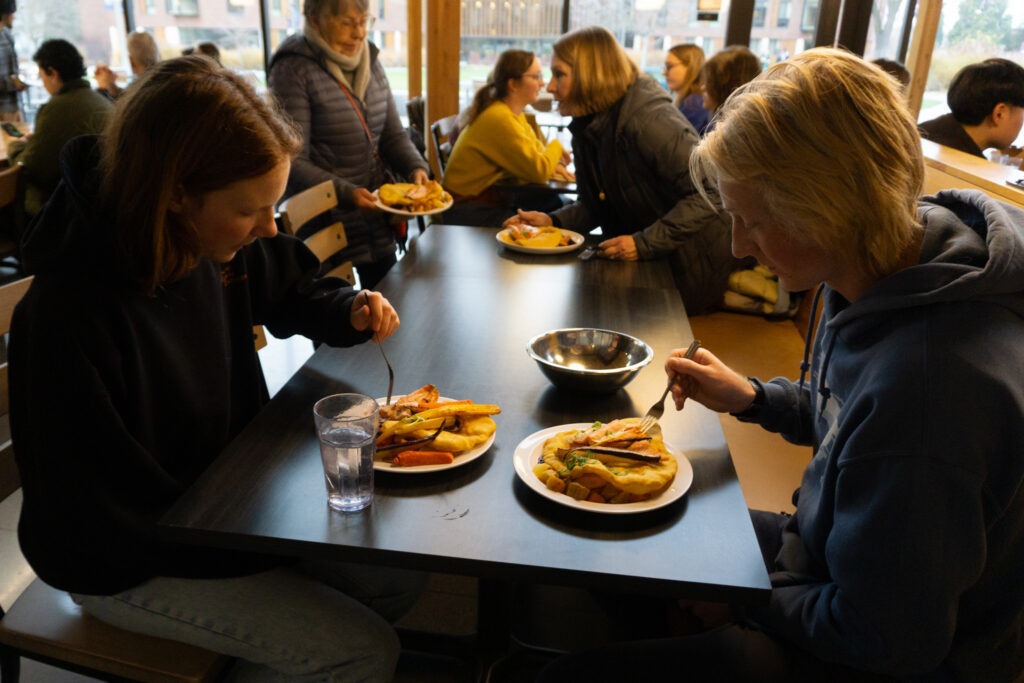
pixel 347 455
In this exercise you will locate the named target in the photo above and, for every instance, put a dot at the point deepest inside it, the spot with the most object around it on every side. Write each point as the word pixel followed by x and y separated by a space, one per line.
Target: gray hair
pixel 142 48
pixel 315 9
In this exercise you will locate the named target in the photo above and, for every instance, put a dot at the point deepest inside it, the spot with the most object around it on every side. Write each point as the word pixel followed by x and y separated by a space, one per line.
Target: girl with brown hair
pixel 498 146
pixel 682 76
pixel 152 262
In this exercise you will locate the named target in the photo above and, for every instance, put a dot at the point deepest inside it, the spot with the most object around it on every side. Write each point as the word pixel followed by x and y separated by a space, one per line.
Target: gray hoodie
pixel 906 551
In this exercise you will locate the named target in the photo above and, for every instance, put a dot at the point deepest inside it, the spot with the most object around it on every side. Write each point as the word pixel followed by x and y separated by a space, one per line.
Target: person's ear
pixel 1000 112
pixel 178 200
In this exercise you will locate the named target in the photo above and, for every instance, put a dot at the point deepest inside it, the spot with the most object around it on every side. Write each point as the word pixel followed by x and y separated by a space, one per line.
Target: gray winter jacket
pixel 335 146
pixel 636 154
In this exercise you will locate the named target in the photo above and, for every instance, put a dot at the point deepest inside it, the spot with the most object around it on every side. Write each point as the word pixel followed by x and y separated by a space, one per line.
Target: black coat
pixel 636 154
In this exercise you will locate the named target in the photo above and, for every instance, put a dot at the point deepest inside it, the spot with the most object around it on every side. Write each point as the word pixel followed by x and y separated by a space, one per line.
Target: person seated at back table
pixel 682 76
pixel 903 558
pixel 986 102
pixel 152 263
pixel 631 147
pixel 726 70
pixel 143 53
pixel 73 109
pixel 499 146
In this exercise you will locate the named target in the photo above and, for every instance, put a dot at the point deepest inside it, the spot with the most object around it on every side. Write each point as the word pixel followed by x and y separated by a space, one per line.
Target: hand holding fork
pixel 655 412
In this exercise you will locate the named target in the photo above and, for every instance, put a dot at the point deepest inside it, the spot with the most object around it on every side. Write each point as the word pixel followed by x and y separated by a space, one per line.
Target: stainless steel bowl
pixel 588 359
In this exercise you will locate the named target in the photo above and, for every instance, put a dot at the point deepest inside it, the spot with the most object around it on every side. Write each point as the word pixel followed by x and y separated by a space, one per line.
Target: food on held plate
pixel 607 463
pixel 421 428
pixel 543 237
pixel 414 198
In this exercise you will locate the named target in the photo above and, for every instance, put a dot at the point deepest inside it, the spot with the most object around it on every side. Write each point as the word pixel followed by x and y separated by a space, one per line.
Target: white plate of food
pixel 383 460
pixel 407 199
pixel 573 240
pixel 528 454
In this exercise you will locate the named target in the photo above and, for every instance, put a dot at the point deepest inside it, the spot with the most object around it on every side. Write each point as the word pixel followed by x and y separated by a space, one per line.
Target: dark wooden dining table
pixel 468 306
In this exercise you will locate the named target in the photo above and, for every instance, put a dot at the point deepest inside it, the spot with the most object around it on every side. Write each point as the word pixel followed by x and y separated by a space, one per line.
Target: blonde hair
pixel 692 58
pixel 601 70
pixel 829 143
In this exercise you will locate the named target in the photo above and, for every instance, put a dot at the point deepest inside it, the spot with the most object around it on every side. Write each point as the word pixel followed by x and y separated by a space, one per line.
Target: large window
pixel 91 25
pixel 971 31
pixel 232 25
pixel 776 38
pixel 648 28
pixel 885 30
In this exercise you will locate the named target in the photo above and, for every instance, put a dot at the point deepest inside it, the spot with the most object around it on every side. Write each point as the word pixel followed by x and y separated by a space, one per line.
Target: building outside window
pixel 183 7
pixel 760 12
pixel 782 16
pixel 809 15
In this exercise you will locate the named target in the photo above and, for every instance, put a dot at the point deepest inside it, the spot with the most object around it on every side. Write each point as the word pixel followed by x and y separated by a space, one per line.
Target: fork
pixel 380 345
pixel 655 412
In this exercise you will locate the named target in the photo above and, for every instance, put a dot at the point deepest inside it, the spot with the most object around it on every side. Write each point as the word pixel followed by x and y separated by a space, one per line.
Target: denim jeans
pixel 322 621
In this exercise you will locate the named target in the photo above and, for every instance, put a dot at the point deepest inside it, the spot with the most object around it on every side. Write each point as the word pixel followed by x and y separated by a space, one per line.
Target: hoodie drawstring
pixel 805 364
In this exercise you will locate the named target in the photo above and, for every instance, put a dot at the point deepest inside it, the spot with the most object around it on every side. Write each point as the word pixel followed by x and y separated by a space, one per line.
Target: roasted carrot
pixel 411 458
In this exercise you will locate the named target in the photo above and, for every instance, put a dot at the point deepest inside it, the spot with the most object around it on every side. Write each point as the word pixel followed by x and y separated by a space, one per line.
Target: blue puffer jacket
pixel 335 146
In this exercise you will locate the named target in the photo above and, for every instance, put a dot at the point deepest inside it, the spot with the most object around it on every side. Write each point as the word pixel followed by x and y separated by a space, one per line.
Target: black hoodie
pixel 119 400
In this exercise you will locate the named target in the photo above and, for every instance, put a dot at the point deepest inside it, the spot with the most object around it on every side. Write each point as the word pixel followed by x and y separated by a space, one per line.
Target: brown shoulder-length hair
pixel 511 64
pixel 601 69
pixel 187 127
pixel 692 58
pixel 728 69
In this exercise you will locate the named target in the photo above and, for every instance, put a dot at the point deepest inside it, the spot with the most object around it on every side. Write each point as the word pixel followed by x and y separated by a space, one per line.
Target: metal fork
pixel 655 412
pixel 380 345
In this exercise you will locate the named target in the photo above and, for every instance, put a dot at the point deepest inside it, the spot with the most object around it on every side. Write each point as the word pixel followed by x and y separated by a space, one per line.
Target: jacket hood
pixel 973 250
pixel 69 233
pixel 296 45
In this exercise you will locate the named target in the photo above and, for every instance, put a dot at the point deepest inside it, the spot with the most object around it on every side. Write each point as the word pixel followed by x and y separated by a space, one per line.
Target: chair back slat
pixel 303 207
pixel 443 131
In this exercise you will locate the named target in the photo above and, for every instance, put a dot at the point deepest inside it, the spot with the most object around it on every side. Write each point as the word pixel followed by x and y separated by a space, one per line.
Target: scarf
pixel 353 72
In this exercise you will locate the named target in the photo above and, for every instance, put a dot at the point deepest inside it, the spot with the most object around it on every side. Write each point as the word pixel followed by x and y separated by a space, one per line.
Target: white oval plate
pixel 409 214
pixel 460 458
pixel 528 452
pixel 575 241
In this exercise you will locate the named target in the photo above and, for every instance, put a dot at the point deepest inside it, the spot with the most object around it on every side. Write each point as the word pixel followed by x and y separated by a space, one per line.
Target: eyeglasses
pixel 671 65
pixel 366 22
pixel 537 77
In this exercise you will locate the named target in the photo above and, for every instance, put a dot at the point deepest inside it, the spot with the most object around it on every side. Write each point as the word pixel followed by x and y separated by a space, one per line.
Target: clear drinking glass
pixel 346 425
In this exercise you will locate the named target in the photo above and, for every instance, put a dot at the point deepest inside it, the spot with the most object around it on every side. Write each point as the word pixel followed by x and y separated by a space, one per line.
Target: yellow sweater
pixel 499 145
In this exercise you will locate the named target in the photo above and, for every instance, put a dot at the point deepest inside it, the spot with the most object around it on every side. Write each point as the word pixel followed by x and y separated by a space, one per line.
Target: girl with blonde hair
pixel 902 559
pixel 632 148
pixel 682 76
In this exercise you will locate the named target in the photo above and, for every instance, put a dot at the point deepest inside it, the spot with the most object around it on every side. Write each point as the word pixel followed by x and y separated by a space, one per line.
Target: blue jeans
pixel 316 621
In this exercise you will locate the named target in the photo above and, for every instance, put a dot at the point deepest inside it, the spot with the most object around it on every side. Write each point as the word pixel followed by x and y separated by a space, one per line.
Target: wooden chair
pixel 303 207
pixel 444 134
pixel 46 625
pixel 12 216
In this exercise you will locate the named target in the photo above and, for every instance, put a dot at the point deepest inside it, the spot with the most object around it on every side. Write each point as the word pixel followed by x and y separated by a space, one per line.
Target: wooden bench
pixel 769 467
